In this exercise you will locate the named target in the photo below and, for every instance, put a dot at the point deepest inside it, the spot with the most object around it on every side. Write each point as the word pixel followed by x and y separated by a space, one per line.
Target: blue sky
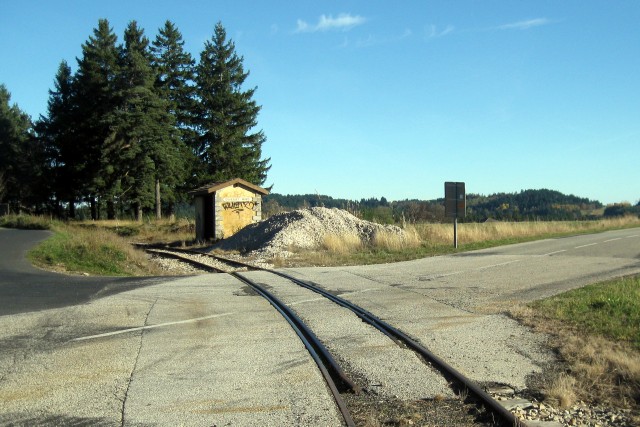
pixel 374 98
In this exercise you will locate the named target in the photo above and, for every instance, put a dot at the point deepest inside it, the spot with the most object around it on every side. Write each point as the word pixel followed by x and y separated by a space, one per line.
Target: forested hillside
pixel 526 205
pixel 530 205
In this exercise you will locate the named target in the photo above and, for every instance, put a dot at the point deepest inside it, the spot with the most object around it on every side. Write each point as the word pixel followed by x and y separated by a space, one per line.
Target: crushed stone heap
pixel 303 229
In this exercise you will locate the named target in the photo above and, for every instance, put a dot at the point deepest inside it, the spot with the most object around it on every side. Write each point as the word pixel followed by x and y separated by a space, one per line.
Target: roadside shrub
pixel 127 231
pixel 25 222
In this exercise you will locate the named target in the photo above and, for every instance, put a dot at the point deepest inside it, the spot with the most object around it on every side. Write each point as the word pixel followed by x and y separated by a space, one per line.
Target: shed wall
pixel 235 208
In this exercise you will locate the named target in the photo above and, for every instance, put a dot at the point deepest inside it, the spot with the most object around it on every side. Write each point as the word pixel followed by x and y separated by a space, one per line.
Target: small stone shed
pixel 224 208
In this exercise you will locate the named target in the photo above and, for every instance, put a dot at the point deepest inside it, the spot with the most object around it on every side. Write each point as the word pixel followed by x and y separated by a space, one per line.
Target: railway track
pixel 337 380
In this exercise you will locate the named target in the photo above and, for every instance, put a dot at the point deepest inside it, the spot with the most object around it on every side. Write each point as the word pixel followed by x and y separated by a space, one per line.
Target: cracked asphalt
pixel 203 351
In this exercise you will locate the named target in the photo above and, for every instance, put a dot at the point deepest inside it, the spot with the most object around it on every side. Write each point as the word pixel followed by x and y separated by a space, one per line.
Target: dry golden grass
pixel 342 243
pixel 384 239
pixel 162 230
pixel 481 232
pixel 561 391
pixel 393 241
pixel 424 240
pixel 603 368
pixel 348 243
pixel 597 369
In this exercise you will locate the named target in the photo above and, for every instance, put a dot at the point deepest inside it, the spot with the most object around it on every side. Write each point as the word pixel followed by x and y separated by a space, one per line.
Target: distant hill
pixel 540 204
pixel 531 205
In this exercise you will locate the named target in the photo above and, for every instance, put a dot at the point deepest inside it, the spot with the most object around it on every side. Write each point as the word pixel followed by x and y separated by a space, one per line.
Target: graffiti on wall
pixel 238 204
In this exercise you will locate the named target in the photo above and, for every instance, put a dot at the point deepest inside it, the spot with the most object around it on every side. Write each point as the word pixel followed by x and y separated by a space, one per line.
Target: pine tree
pixel 226 116
pixel 174 83
pixel 175 69
pixel 21 157
pixel 147 144
pixel 95 88
pixel 56 133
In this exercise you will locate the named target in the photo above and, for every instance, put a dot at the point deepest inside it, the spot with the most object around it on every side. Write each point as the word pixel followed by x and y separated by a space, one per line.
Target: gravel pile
pixel 300 229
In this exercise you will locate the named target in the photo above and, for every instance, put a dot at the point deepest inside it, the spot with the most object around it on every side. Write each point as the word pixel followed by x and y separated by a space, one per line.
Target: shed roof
pixel 215 186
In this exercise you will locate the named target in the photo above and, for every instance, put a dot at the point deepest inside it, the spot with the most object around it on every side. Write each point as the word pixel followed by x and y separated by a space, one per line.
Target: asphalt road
pixel 24 288
pixel 489 280
pixel 203 351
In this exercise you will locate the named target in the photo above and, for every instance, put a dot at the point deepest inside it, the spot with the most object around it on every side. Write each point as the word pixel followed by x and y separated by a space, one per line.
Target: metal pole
pixel 455 232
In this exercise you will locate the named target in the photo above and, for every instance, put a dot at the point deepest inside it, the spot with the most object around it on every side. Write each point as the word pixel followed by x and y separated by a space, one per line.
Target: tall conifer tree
pixel 175 69
pixel 228 146
pixel 96 101
pixel 174 82
pixel 21 156
pixel 56 131
pixel 146 141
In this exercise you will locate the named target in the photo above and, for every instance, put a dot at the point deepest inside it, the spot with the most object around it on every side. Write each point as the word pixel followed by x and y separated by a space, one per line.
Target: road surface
pixel 202 351
pixel 24 288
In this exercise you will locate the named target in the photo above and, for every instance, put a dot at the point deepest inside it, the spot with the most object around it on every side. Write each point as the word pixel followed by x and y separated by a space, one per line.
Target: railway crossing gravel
pixel 302 229
pixel 390 371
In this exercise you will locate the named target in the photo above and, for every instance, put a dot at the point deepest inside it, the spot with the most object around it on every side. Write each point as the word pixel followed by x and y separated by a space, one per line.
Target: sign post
pixel 455 205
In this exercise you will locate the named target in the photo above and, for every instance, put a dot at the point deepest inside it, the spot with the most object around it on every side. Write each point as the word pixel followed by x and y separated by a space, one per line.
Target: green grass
pixel 90 251
pixel 26 222
pixel 610 309
pixel 97 247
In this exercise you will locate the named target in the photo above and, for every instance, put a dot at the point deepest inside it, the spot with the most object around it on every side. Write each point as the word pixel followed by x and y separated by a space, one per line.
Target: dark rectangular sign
pixel 455 199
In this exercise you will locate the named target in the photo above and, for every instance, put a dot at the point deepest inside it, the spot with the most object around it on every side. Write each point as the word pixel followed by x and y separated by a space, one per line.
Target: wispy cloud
pixel 342 22
pixel 433 32
pixel 524 25
pixel 372 40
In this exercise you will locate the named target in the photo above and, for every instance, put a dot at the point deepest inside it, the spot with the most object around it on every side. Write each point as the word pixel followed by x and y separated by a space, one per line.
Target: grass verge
pixel 99 247
pixel 91 251
pixel 596 333
pixel 419 241
pixel 152 231
pixel 610 309
pixel 426 240
pixel 26 222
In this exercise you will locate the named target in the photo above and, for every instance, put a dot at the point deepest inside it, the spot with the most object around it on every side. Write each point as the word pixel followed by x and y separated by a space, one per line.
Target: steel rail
pixel 336 378
pixel 194 252
pixel 507 418
pixel 331 371
pixel 194 263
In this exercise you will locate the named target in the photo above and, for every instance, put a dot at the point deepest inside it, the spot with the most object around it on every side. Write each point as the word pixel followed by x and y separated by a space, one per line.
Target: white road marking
pixel 584 246
pixel 633 235
pixel 498 265
pixel 159 325
pixel 612 240
pixel 555 252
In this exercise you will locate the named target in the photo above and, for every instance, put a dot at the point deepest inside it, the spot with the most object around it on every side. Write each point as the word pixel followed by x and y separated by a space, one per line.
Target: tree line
pixel 531 205
pixel 136 126
pixel 526 205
